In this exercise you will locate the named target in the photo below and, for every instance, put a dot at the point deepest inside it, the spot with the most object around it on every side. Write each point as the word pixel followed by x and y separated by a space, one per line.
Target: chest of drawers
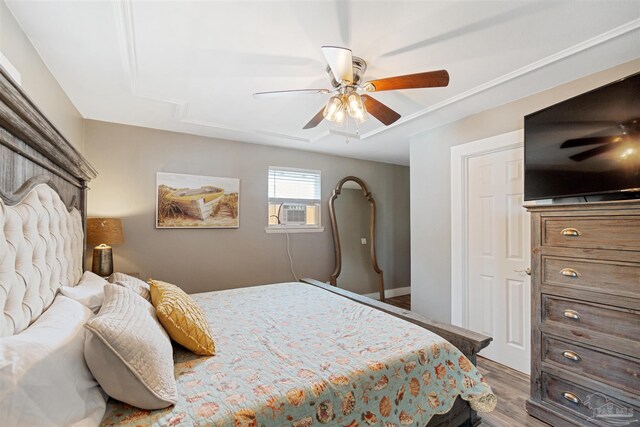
pixel 585 326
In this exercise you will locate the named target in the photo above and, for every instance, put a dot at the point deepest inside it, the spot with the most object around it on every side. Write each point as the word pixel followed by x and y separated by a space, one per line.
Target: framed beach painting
pixel 196 201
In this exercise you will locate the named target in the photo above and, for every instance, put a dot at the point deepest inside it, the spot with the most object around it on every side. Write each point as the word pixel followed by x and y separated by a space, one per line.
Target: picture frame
pixel 197 201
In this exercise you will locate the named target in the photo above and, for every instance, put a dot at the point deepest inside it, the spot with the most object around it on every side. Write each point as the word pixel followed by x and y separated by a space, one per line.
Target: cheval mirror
pixel 353 220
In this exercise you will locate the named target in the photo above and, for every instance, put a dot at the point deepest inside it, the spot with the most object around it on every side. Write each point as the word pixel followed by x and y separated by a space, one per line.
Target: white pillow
pixel 129 352
pixel 138 286
pixel 44 380
pixel 89 291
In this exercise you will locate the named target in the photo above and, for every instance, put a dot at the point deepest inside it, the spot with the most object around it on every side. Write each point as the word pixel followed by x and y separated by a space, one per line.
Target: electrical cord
pixel 276 217
pixel 290 258
pixel 295 276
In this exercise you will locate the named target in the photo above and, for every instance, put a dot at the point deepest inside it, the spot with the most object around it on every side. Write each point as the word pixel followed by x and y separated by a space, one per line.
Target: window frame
pixel 317 203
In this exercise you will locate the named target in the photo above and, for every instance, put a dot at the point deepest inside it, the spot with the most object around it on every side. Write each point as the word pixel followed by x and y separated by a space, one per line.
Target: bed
pixel 296 354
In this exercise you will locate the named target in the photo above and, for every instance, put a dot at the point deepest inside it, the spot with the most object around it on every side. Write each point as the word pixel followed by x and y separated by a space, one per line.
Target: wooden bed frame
pixel 33 151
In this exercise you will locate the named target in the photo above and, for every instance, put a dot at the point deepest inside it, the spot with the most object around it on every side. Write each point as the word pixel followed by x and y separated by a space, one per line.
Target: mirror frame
pixel 372 231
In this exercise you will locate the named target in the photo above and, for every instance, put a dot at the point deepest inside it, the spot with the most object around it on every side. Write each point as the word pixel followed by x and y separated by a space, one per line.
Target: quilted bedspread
pixel 292 354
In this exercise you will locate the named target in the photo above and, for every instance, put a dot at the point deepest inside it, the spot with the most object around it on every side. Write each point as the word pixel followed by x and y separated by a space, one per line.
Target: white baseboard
pixel 390 293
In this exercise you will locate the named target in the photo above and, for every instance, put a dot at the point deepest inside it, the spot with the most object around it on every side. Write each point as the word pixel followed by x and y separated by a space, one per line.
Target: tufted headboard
pixel 41 246
pixel 43 185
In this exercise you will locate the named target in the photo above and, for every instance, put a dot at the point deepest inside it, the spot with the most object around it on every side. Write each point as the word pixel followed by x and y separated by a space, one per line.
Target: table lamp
pixel 103 232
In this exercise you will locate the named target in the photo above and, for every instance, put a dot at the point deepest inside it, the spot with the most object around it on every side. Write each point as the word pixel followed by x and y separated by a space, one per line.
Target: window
pixel 294 198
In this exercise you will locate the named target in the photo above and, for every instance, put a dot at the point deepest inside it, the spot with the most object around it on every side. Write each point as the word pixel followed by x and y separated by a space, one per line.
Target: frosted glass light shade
pixel 334 109
pixel 355 107
pixel 341 115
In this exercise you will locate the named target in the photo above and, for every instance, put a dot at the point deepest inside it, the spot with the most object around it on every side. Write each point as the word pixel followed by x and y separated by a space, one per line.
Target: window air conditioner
pixel 294 214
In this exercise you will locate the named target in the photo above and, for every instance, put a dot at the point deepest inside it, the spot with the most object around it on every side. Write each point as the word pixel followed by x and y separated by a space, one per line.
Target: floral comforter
pixel 296 355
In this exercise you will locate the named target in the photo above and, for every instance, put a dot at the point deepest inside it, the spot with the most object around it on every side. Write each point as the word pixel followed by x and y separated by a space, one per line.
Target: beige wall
pixel 37 81
pixel 431 204
pixel 127 159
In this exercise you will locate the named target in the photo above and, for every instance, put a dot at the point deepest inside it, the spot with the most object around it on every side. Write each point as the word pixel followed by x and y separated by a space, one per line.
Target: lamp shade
pixel 104 230
pixel 334 108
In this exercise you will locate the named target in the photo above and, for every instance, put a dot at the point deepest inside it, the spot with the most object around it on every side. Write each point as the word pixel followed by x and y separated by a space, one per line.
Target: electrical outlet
pixel 363 240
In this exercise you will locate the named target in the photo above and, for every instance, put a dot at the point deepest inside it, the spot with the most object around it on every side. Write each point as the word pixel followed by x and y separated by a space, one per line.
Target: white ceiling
pixel 192 66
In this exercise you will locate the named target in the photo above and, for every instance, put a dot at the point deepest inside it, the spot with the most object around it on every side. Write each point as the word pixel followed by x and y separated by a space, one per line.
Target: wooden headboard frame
pixel 33 151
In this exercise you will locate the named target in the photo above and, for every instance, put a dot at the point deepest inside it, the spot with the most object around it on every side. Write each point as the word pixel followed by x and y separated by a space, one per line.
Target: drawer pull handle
pixel 569 272
pixel 571 355
pixel 572 314
pixel 571 232
pixel 571 397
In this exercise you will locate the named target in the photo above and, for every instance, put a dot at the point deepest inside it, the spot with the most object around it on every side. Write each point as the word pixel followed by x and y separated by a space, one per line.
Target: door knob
pixel 527 271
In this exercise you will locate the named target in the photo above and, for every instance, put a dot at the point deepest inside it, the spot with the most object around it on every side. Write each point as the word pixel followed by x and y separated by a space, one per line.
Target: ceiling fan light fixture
pixel 360 118
pixel 334 110
pixel 340 116
pixel 628 152
pixel 355 105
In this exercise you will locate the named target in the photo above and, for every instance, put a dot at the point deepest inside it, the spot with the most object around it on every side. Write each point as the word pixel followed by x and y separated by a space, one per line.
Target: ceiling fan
pixel 629 133
pixel 346 72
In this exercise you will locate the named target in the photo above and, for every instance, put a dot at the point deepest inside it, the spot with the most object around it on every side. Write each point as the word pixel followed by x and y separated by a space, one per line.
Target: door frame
pixel 460 156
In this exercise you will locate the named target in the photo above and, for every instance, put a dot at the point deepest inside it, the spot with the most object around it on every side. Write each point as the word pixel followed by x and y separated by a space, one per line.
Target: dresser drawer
pixel 620 372
pixel 621 232
pixel 578 315
pixel 600 276
pixel 590 404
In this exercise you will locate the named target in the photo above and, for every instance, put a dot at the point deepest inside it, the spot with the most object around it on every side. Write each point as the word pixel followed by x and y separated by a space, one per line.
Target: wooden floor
pixel 510 387
pixel 403 301
pixel 512 390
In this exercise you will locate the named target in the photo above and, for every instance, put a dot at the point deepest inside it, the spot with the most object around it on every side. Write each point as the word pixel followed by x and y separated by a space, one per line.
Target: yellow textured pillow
pixel 182 318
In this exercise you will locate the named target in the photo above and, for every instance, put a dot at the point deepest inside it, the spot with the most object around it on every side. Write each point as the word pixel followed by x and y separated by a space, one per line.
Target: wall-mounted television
pixel 587 145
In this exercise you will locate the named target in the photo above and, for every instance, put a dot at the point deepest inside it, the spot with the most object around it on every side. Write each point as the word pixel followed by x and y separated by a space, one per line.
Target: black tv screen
pixel 586 145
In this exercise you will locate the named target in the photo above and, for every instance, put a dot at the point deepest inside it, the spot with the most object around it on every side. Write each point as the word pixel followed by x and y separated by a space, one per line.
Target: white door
pixel 498 289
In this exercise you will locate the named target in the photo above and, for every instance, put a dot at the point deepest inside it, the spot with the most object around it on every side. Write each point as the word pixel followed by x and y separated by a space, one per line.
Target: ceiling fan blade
pixel 340 61
pixel 594 152
pixel 438 78
pixel 380 111
pixel 290 92
pixel 315 121
pixel 581 142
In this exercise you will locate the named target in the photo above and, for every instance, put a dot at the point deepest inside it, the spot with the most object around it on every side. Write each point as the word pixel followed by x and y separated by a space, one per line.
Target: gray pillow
pixel 138 286
pixel 128 351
